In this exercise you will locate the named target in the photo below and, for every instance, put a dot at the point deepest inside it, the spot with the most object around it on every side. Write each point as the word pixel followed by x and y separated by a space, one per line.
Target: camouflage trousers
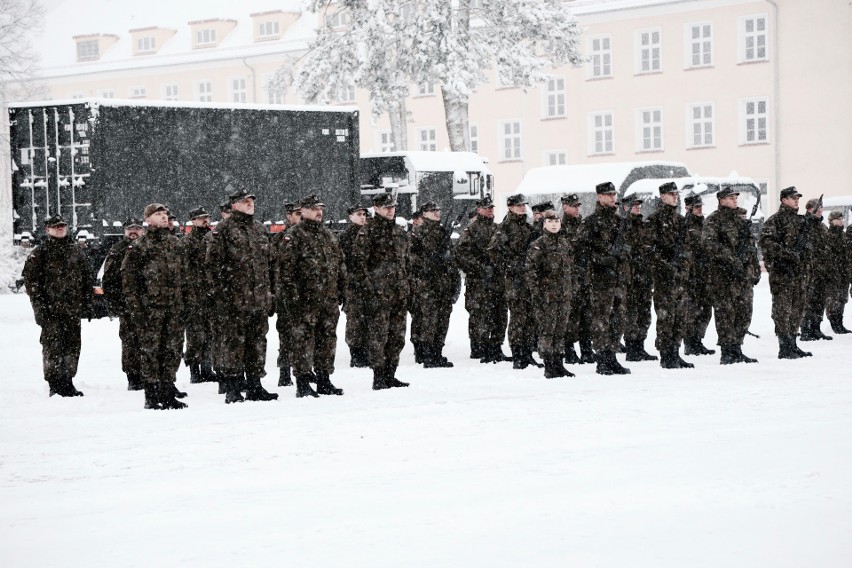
pixel 817 295
pixel 131 355
pixel 608 315
pixel 199 339
pixel 579 325
pixel 522 331
pixel 357 322
pixel 699 310
pixel 488 314
pixel 242 344
pixel 836 296
pixel 788 303
pixel 732 304
pixel 670 307
pixel 160 344
pixel 60 347
pixel 284 326
pixel 314 336
pixel 638 309
pixel 432 312
pixel 386 334
pixel 552 321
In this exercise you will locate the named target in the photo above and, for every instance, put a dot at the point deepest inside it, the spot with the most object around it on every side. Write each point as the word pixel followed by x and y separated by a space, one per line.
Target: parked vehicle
pixel 842 203
pixel 705 186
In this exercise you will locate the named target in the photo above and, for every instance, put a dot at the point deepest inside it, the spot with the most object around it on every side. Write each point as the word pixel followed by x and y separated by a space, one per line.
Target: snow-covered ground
pixel 480 465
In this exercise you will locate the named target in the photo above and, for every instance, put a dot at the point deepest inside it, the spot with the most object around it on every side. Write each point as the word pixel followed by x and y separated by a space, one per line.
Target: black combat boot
pixel 617 368
pixel 519 358
pixel 796 348
pixel 693 346
pixel 232 389
pixel 786 349
pixel 529 353
pixel 836 322
pixel 175 392
pixel 223 383
pixel 303 385
pixel 729 355
pixel 208 375
pixel 620 347
pixel 195 374
pixel 604 364
pixel 669 358
pixel 818 332
pixel 284 379
pixel 683 364
pixel 419 356
pixel 134 381
pixel 68 387
pixel 477 350
pixel 324 385
pixel 152 396
pixel 168 396
pixel 255 390
pixel 360 357
pixel 380 380
pixel 432 357
pixel 587 355
pixel 807 331
pixel 636 352
pixel 742 356
pixel 552 366
pixel 390 374
pixel 571 355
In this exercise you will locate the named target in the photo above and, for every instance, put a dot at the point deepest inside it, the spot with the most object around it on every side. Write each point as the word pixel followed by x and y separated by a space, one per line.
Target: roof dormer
pixel 271 25
pixel 210 33
pixel 90 47
pixel 147 41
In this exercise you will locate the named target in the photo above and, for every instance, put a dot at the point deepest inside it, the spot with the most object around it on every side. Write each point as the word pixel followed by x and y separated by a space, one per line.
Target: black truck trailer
pixel 100 161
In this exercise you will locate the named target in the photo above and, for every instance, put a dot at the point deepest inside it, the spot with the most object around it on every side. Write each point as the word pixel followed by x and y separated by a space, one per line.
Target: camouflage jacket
pixel 194 247
pixel 698 275
pixel 837 265
pixel 778 241
pixel 472 250
pixel 152 273
pixel 313 271
pixel 433 270
pixel 111 281
pixel 548 269
pixel 238 260
pixel 380 261
pixel 509 246
pixel 670 252
pixel 638 237
pixel 58 280
pixel 729 245
pixel 594 243
pixel 819 254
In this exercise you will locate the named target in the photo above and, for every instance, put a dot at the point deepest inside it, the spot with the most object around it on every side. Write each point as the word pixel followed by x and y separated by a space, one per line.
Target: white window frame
pixel 88 50
pixel 345 92
pixel 704 44
pixel 170 92
pixel 273 96
pixel 744 35
pixel 654 51
pixel 239 89
pixel 598 144
pixel 653 128
pixel 750 111
pixel 427 139
pixel 385 141
pixel 702 125
pixel 268 29
pixel 146 44
pixel 206 36
pixel 338 18
pixel 138 92
pixel 204 90
pixel 555 157
pixel 473 135
pixel 107 94
pixel 553 97
pixel 77 95
pixel 514 150
pixel 600 58
pixel 426 90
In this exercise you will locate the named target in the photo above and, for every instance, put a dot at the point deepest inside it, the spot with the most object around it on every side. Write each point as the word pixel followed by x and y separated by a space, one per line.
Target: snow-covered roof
pixel 423 161
pixel 837 201
pixel 581 178
pixel 182 104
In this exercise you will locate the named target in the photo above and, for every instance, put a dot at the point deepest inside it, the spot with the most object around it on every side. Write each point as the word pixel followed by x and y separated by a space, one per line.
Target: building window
pixel 649 49
pixel 138 92
pixel 554 104
pixel 600 53
pixel 754 122
pixel 752 38
pixel 238 90
pixel 76 96
pixel 473 130
pixel 475 4
pixel 386 141
pixel 205 37
pixel 555 158
pixel 345 92
pixel 145 44
pixel 205 91
pixel 601 133
pixel 337 19
pixel 425 89
pixel 650 129
pixel 510 140
pixel 700 120
pixel 170 92
pixel 88 50
pixel 699 44
pixel 427 139
pixel 110 94
pixel 267 29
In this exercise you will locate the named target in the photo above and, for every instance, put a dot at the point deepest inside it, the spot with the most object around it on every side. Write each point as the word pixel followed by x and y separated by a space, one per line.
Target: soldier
pixel 699 308
pixel 782 256
pixel 819 257
pixel 131 357
pixel 595 241
pixel 59 284
pixel 434 280
pixel 416 322
pixel 548 276
pixel 354 304
pixel 731 264
pixel 174 225
pixel 484 293
pixel 670 266
pixel 152 274
pixel 217 316
pixel 380 256
pixel 640 287
pixel 508 250
pixel 538 211
pixel 753 271
pixel 313 281
pixel 283 325
pixel 838 272
pixel 416 220
pixel 239 258
pixel 580 320
pixel 197 300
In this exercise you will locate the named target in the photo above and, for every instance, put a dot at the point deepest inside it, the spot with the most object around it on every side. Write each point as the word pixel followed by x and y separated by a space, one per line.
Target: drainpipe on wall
pixel 253 79
pixel 776 96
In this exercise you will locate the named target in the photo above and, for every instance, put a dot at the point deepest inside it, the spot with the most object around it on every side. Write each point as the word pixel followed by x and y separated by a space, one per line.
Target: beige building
pixel 759 87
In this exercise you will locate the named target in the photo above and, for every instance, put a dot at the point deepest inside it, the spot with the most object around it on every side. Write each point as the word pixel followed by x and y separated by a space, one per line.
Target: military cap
pixel 311 201
pixel 635 201
pixel 517 199
pixel 693 200
pixel 239 195
pixel 542 207
pixel 429 206
pixel 486 202
pixel 384 200
pixel 416 215
pixel 171 215
pixel 725 192
pixel 153 208
pixel 55 220
pixel 605 187
pixel 571 199
pixel 789 192
pixel 225 206
pixel 668 187
pixel 550 214
pixel 290 208
pixel 813 204
pixel 200 212
pixel 132 222
pixel 835 215
pixel 355 208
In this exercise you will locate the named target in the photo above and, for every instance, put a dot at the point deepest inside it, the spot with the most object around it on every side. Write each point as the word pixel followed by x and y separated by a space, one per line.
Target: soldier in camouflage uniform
pixel 580 319
pixel 131 357
pixel 819 258
pixel 699 308
pixel 216 316
pixel 238 259
pixel 598 233
pixel 153 282
pixel 380 256
pixel 538 211
pixel 355 304
pixel 434 280
pixel 670 266
pixel 837 289
pixel 787 269
pixel 59 284
pixel 283 325
pixel 484 294
pixel 640 288
pixel 548 277
pixel 731 266
pixel 313 282
pixel 197 300
pixel 508 251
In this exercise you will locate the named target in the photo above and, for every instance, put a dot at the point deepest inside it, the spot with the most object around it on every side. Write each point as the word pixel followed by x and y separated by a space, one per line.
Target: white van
pixel 842 203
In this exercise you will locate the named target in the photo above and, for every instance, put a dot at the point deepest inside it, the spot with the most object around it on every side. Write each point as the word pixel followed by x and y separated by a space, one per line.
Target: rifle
pixel 679 255
pixel 745 233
